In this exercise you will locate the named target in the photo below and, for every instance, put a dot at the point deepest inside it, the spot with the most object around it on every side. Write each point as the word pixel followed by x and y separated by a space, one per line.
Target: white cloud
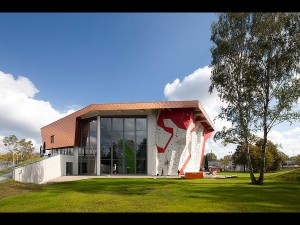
pixel 195 87
pixel 288 139
pixel 20 113
pixel 218 148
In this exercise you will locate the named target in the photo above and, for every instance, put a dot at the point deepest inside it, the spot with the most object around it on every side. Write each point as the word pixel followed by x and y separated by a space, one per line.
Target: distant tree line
pixel 18 150
pixel 274 158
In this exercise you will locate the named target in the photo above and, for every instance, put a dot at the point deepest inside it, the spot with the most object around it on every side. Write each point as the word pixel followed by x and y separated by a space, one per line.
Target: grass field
pixel 280 193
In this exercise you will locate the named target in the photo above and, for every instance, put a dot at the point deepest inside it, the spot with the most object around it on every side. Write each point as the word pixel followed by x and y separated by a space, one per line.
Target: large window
pixel 88 147
pixel 123 145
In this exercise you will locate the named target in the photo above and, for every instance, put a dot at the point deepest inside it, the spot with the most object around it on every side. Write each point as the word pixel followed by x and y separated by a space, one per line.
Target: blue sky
pixel 54 63
pixel 100 55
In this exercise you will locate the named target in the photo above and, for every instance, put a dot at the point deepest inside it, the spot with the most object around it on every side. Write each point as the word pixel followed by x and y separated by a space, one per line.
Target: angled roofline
pixel 65 128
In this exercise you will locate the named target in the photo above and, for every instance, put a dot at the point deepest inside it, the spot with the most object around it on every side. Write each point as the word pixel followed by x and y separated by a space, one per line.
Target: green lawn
pixel 280 193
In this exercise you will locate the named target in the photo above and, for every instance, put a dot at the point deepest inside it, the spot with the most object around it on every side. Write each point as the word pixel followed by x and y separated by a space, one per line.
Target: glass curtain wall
pixel 123 145
pixel 88 147
pixel 141 145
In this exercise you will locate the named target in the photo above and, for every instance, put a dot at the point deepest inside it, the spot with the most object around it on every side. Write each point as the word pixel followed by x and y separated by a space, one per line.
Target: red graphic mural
pixel 189 157
pixel 182 118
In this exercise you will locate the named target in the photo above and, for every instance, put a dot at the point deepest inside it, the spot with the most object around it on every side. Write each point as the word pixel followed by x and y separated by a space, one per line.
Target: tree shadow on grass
pixel 234 195
pixel 271 197
pixel 119 186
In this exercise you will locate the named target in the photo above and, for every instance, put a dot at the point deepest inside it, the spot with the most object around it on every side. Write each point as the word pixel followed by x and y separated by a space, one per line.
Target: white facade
pixel 152 152
pixel 44 170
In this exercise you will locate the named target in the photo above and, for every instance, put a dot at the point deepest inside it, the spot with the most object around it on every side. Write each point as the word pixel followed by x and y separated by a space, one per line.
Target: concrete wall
pixel 75 163
pixel 43 170
pixel 151 152
pixel 196 147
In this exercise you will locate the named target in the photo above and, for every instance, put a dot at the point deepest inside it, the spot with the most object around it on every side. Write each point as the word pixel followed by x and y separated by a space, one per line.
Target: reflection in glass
pixel 141 124
pixel 105 138
pixel 129 124
pixel 141 137
pixel 105 124
pixel 141 152
pixel 129 136
pixel 123 145
pixel 118 166
pixel 117 141
pixel 93 138
pixel 129 156
pixel 84 133
pixel 117 124
pixel 105 152
pixel 105 166
pixel 141 166
pixel 88 147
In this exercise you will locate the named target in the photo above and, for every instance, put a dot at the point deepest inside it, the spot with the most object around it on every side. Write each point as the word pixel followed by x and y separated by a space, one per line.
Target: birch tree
pixel 255 67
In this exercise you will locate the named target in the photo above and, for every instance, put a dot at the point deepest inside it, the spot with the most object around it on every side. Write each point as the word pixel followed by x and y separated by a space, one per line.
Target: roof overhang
pixel 65 128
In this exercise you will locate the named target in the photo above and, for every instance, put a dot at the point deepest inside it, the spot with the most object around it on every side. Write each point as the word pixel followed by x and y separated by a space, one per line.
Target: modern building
pixel 144 138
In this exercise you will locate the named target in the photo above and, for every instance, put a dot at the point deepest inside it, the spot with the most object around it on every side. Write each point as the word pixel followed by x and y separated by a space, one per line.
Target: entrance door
pixel 69 168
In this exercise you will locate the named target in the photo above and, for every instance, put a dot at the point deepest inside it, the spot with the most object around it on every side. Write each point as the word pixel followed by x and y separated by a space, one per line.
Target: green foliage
pixel 255 67
pixel 211 156
pixel 32 158
pixel 11 143
pixel 129 157
pixel 239 157
pixel 7 158
pixel 296 159
pixel 25 148
pixel 274 157
pixel 19 150
pixel 225 161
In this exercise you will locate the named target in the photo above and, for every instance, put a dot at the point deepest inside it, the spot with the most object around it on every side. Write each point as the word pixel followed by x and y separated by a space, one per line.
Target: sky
pixel 52 64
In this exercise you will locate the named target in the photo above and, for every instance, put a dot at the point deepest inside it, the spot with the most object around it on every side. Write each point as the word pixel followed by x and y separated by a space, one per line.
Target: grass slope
pixel 290 175
pixel 5 170
pixel 155 195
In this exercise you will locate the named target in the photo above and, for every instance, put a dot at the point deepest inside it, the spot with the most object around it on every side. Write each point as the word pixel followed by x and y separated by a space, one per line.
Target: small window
pixel 52 138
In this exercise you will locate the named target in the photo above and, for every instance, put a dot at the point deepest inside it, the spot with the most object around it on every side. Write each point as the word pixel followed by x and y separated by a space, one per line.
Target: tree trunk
pixel 265 115
pixel 263 158
pixel 253 180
